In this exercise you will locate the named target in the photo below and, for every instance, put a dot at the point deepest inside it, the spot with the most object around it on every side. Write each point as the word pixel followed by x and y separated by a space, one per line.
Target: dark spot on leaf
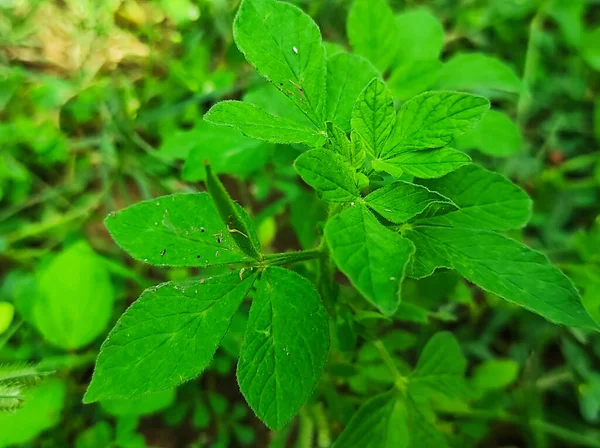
pixel 164 251
pixel 202 229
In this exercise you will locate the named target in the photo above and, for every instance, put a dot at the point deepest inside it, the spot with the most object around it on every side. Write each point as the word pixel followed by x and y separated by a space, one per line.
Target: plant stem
pixel 291 257
pixel 400 380
pixel 559 432
pixel 305 430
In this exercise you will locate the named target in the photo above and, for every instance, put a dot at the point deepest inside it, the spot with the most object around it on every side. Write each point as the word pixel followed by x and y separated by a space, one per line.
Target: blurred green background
pixel 101 105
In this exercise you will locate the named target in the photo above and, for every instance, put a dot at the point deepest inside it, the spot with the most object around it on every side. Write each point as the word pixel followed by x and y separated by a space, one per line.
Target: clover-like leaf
pixel 285 347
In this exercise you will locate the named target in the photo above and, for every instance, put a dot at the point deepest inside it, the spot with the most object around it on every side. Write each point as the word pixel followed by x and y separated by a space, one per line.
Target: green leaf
pixel 285 347
pixel 373 32
pixel 590 48
pixel 234 217
pixel 495 374
pixel 256 123
pixel 328 173
pixel 478 72
pixel 74 299
pixel 373 257
pixel 373 116
pixel 420 36
pixel 227 151
pixel 168 336
pixel 400 201
pixel 379 423
pixel 284 45
pixel 266 96
pixel 433 120
pixel 421 421
pixel 495 135
pixel 41 410
pixel 347 76
pixel 7 312
pixel 425 164
pixel 486 200
pixel 408 80
pixel 502 266
pixel 441 366
pixel 175 230
pixel 352 152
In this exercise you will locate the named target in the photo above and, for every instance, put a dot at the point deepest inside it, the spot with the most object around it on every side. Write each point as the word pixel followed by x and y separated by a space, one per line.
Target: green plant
pixel 402 203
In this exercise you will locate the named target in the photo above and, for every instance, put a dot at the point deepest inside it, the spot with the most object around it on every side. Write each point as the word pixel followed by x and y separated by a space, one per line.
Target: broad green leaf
pixel 144 405
pixel 425 164
pixel 441 366
pixel 175 230
pixel 256 123
pixel 41 410
pixel 347 76
pixel 285 347
pixel 400 201
pixel 486 200
pixel 478 72
pixel 373 257
pixel 284 45
pixel 408 80
pixel 328 173
pixel 373 116
pixel 433 120
pixel 74 299
pixel 7 312
pixel 269 98
pixel 233 216
pixel 168 336
pixel 502 266
pixel 495 135
pixel 495 374
pixel 352 152
pixel 379 423
pixel 373 32
pixel 421 423
pixel 420 36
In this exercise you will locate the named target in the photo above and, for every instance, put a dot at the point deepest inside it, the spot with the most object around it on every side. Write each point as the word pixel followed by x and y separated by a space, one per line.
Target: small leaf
pixel 379 423
pixel 373 257
pixel 373 32
pixel 501 266
pixel 168 336
pixel 233 216
pixel 328 173
pixel 75 296
pixel 284 45
pixel 285 347
pixel 495 374
pixel 7 312
pixel 347 76
pixel 478 72
pixel 486 200
pixel 41 411
pixel 175 230
pixel 433 120
pixel 400 201
pixel 441 366
pixel 373 116
pixel 425 164
pixel 256 123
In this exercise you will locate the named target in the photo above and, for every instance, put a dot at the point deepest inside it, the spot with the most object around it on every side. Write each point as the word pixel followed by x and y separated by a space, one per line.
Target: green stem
pixel 291 257
pixel 306 429
pixel 400 380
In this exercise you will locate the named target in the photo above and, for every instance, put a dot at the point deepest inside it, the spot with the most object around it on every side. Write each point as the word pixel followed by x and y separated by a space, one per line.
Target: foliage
pixel 387 185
